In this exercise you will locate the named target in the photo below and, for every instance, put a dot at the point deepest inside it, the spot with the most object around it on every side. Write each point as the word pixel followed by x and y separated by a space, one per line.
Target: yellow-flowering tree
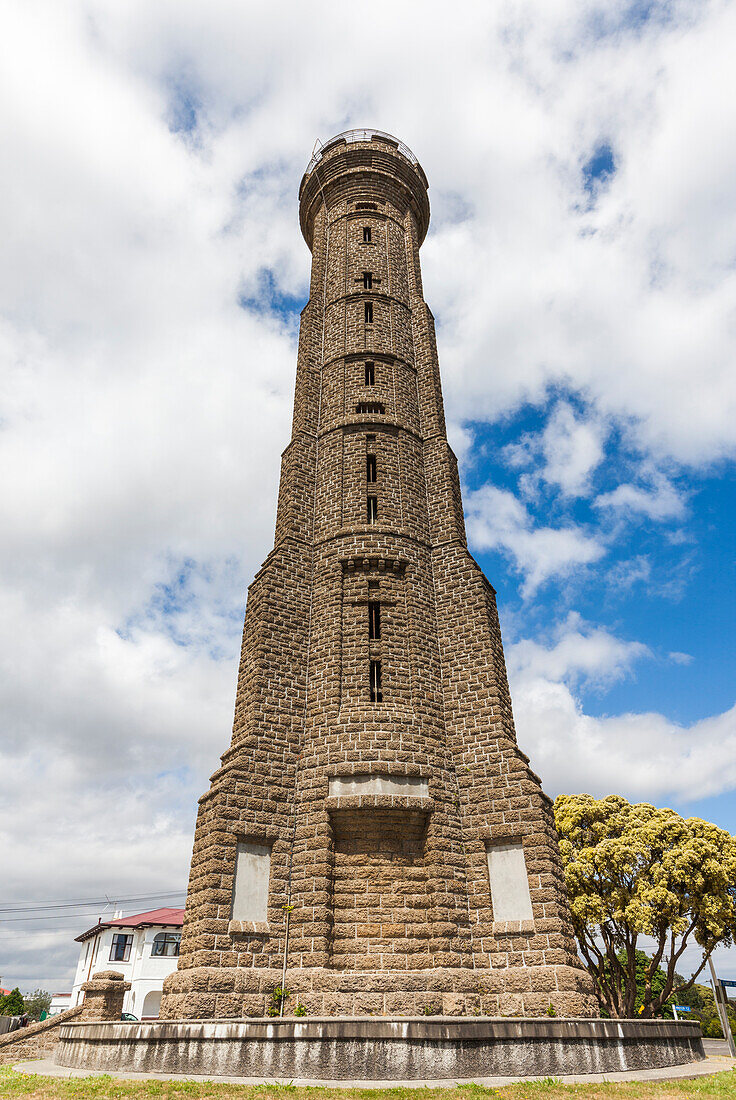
pixel 633 871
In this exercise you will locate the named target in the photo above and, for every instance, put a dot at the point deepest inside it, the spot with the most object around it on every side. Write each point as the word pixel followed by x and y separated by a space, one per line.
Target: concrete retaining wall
pixel 368 1049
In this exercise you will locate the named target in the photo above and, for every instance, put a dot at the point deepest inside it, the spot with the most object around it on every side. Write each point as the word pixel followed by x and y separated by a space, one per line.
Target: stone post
pixel 103 996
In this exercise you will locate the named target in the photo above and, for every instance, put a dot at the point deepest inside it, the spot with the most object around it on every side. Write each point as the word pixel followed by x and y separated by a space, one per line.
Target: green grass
pixel 28 1087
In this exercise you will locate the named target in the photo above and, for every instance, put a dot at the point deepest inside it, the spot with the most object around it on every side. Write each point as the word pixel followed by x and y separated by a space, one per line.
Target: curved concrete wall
pixel 366 1049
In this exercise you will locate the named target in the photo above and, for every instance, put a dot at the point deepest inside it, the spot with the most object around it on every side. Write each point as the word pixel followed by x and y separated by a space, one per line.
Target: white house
pixel 144 948
pixel 60 1002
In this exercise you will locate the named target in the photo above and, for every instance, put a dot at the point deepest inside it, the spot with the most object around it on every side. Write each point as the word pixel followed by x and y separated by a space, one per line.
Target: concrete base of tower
pixel 369 1049
pixel 217 993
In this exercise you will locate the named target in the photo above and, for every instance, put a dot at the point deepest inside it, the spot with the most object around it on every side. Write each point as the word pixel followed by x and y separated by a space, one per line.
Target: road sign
pixel 682 1008
pixel 730 984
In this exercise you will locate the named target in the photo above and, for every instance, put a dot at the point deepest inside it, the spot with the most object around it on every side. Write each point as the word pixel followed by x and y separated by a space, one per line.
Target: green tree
pixel 658 980
pixel 12 1004
pixel 37 1002
pixel 633 871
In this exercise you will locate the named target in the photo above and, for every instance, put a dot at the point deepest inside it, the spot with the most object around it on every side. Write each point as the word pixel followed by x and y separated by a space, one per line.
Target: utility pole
pixel 721 1007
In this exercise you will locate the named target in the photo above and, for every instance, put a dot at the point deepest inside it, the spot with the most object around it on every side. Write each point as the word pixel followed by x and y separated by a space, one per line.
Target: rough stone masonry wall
pixel 35 1041
pixel 388 895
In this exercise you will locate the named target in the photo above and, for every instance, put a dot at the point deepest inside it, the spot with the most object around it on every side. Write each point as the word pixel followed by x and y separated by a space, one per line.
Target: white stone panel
pixel 413 786
pixel 509 882
pixel 250 892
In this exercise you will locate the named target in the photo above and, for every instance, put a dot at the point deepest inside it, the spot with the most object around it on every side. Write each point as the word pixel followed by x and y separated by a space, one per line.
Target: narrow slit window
pixel 369 313
pixel 366 234
pixel 370 374
pixel 370 469
pixel 376 688
pixel 367 280
pixel 372 509
pixel 374 620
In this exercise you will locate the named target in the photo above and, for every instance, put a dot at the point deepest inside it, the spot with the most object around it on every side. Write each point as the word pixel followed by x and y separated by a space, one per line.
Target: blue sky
pixel 580 266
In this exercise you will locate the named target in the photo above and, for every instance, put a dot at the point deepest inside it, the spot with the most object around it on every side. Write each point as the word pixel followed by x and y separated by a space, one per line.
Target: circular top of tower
pixel 362 159
pixel 348 136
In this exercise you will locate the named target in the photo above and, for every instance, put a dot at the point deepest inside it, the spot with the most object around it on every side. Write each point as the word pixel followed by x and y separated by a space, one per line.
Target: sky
pixel 581 266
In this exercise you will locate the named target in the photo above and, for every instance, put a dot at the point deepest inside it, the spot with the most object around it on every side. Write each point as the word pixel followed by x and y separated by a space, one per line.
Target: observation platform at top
pixel 361 151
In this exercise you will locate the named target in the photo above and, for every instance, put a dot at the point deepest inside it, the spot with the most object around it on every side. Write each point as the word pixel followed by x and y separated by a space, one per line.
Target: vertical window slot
pixel 367 280
pixel 370 374
pixel 372 509
pixel 374 620
pixel 370 469
pixel 366 234
pixel 376 688
pixel 369 313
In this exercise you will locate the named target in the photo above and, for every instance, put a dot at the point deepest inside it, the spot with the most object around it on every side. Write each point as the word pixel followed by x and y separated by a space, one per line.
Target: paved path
pixel 716 1062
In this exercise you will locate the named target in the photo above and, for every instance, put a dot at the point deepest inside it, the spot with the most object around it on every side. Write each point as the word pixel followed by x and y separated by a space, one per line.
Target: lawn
pixel 27 1087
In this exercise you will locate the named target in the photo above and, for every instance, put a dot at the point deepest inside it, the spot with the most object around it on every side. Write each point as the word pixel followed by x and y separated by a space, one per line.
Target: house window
pixel 369 313
pixel 372 509
pixel 374 620
pixel 366 234
pixel 370 374
pixel 367 280
pixel 370 469
pixel 376 690
pixel 120 950
pixel 166 943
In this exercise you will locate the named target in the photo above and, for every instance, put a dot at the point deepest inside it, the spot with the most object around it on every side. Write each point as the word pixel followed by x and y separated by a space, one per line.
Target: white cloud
pixel 496 520
pixel 569 448
pixel 661 500
pixel 638 755
pixel 579 652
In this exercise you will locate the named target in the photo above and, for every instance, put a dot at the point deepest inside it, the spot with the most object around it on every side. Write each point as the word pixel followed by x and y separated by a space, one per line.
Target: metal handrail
pixel 357 135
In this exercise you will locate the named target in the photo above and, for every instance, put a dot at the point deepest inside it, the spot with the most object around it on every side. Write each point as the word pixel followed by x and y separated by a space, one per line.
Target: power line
pixel 86 903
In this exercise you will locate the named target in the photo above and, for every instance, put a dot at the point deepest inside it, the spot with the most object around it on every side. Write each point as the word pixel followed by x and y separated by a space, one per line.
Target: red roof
pixel 166 917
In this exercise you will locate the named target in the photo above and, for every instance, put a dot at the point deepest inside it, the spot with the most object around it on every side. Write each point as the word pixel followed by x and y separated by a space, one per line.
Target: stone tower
pixel 374 841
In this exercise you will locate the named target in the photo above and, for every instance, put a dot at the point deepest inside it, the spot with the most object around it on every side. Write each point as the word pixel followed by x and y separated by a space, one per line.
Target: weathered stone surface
pixel 378 814
pixel 104 994
pixel 38 1040
pixel 434 1048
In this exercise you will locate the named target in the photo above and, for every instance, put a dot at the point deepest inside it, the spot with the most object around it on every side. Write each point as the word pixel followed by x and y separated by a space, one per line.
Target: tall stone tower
pixel 374 841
